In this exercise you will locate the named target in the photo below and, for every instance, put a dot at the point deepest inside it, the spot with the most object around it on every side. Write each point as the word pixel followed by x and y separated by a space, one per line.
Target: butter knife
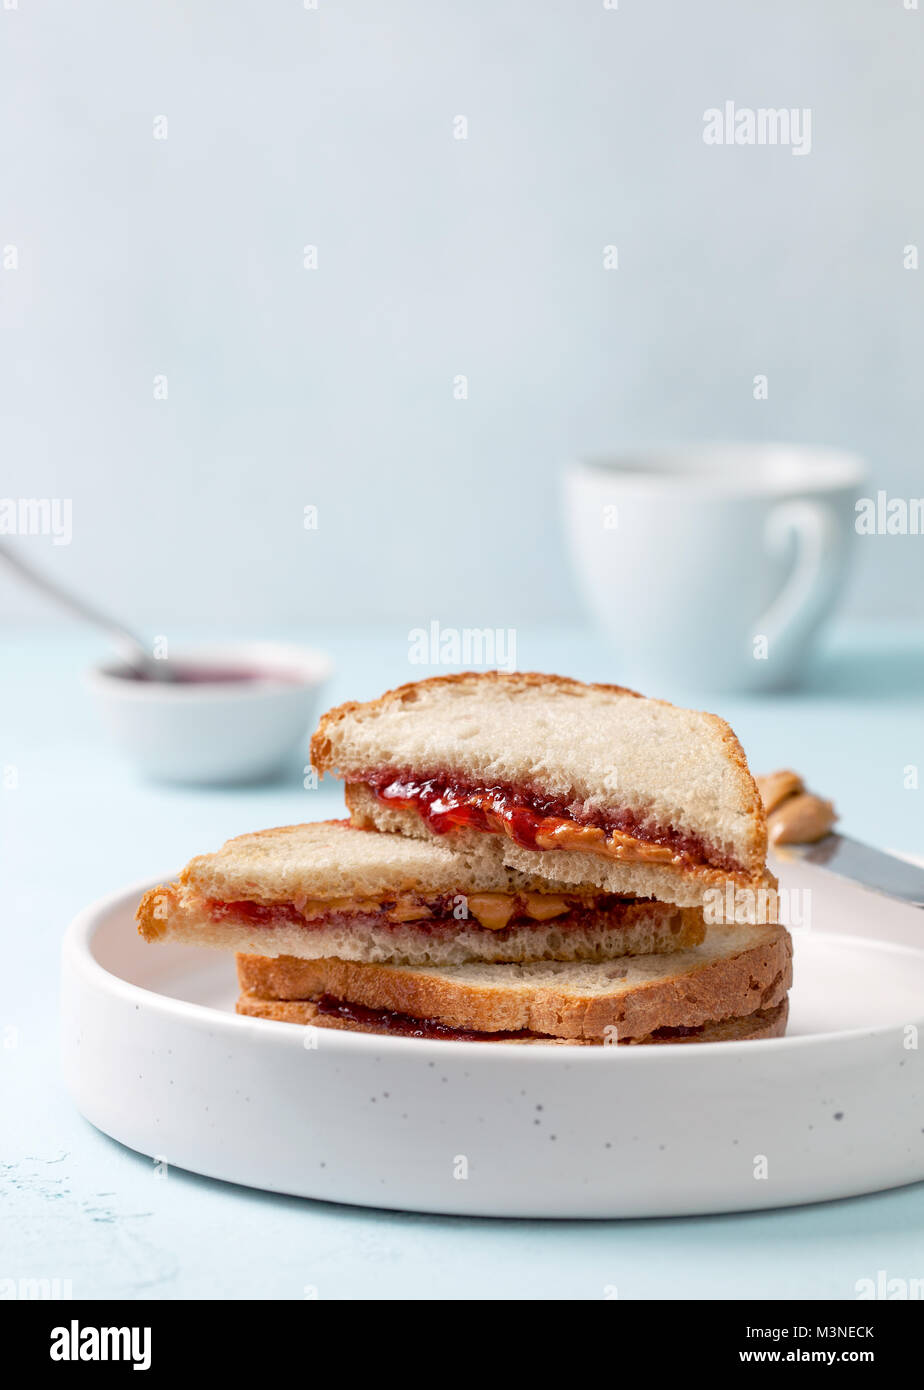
pixel 871 868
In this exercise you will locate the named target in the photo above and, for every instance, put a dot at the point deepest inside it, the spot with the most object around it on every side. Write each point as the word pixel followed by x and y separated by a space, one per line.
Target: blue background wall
pixel 436 257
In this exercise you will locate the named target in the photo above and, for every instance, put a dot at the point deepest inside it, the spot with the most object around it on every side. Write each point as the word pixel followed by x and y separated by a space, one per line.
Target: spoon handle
pixel 132 646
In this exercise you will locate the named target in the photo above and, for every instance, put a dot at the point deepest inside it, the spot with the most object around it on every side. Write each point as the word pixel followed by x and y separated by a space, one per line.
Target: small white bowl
pixel 214 731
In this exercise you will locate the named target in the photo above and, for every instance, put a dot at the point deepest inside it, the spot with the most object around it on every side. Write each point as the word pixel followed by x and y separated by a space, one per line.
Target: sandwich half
pixel 589 785
pixel 330 889
pixel 730 988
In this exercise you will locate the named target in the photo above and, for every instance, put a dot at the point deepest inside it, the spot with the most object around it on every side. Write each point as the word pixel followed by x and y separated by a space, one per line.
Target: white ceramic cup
pixel 712 566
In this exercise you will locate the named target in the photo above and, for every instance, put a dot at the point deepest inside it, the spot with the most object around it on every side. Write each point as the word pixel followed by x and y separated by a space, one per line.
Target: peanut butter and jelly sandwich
pixel 328 889
pixel 588 785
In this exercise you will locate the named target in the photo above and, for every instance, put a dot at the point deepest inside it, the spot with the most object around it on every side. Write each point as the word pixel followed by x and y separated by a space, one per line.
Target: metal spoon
pixel 133 648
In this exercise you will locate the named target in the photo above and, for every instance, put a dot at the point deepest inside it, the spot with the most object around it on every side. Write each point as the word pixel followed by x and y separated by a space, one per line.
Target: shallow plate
pixel 155 1056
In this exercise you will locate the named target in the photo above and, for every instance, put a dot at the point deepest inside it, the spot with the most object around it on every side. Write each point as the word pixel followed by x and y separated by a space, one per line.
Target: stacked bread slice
pixel 731 987
pixel 528 860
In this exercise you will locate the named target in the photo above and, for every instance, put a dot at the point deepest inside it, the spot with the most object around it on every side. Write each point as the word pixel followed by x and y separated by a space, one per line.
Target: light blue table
pixel 78 1206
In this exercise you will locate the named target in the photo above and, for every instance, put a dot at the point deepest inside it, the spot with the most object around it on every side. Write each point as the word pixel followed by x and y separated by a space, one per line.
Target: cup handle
pixel 807 588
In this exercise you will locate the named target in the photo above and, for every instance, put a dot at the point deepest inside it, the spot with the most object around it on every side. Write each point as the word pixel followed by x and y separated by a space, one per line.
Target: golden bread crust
pixel 763 1023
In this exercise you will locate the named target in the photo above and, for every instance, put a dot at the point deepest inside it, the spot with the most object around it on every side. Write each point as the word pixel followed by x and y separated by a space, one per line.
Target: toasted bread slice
pixel 737 972
pixel 329 889
pixel 587 784
pixel 764 1023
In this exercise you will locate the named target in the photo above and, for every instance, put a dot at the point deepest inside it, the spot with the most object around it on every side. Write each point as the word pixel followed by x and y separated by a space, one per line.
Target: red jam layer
pixel 445 802
pixel 214 675
pixel 403 1025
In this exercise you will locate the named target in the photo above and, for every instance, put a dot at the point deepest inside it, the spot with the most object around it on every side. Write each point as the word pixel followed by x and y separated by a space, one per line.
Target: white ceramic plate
pixel 155 1056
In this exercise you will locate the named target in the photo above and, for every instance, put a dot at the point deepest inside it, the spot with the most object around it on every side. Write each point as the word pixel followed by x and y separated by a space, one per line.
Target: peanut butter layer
pixel 493 911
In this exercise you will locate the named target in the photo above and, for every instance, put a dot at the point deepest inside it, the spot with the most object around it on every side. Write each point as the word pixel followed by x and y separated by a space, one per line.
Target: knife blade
pixel 871 868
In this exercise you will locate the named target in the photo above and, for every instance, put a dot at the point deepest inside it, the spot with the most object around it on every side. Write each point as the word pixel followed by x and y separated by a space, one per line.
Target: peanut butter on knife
pixel 794 816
